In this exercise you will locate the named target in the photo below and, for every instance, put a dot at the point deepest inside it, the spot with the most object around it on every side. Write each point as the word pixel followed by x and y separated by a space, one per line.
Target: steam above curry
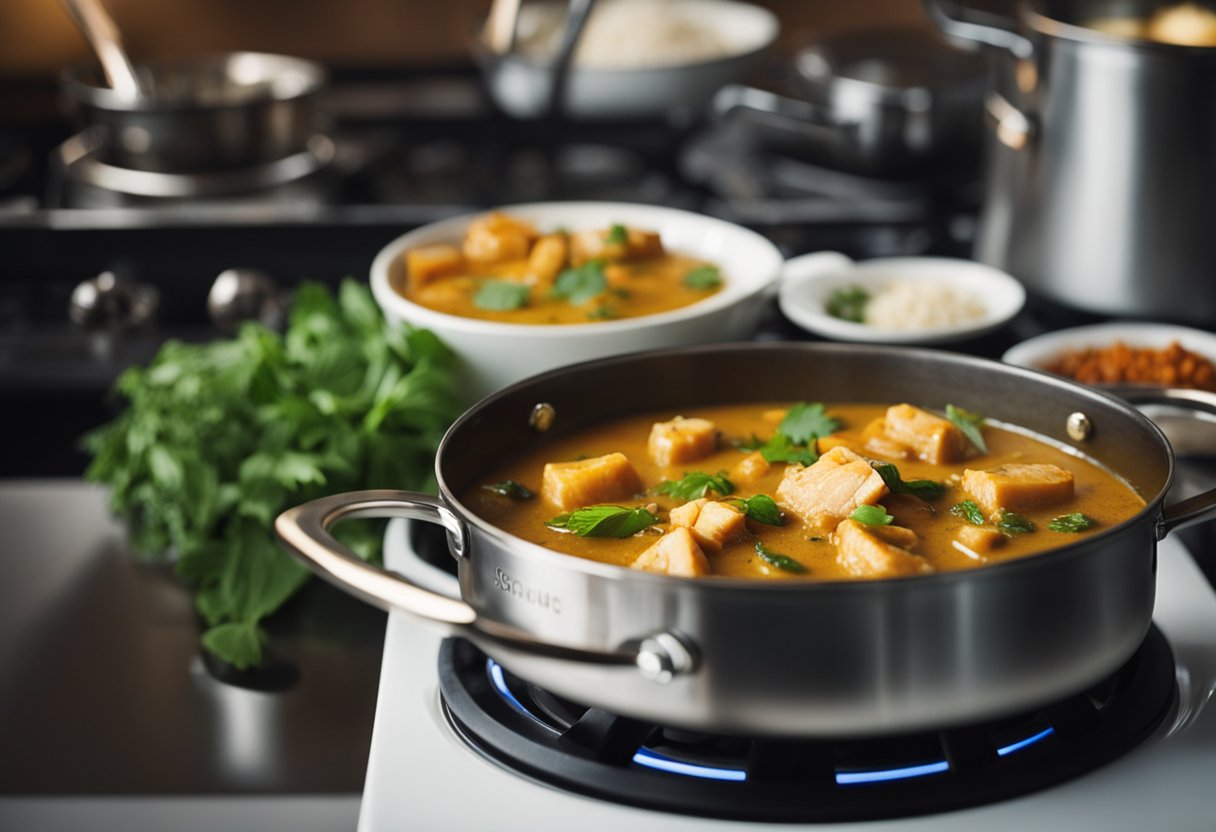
pixel 803 490
pixel 507 270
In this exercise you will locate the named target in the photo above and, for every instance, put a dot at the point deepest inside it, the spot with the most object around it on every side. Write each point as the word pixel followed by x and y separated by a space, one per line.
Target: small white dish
pixel 809 282
pixel 1037 352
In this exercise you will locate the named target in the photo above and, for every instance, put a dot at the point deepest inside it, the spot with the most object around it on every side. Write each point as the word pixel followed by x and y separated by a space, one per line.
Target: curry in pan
pixel 787 491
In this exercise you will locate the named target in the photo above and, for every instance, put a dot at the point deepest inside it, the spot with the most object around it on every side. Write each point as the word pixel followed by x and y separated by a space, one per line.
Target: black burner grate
pixel 546 738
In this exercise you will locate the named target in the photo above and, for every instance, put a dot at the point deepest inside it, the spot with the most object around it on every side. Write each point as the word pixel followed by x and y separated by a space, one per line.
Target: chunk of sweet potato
pixel 548 258
pixel 875 440
pixel 719 524
pixel 863 554
pixel 675 553
pixel 429 263
pixel 1018 486
pixel 600 244
pixel 980 539
pixel 830 490
pixel 686 515
pixel 584 482
pixel 497 237
pixel 682 440
pixel 932 438
pixel 751 468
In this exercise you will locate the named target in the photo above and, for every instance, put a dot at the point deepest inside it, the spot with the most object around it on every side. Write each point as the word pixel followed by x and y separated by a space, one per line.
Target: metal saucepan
pixel 205 113
pixel 788 658
pixel 891 101
pixel 1099 184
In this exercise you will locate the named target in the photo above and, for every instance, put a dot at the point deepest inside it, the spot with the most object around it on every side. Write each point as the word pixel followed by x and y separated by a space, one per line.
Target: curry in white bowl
pixel 771 491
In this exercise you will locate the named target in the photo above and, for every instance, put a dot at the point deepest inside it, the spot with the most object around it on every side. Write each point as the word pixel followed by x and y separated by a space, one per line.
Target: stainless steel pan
pixel 790 658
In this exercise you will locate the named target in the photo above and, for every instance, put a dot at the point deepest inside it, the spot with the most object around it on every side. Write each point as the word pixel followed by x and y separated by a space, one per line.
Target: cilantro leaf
pixel 782 562
pixel 924 489
pixel 703 277
pixel 969 511
pixel 969 423
pixel 1011 524
pixel 1072 523
pixel 217 439
pixel 510 489
pixel 848 304
pixel 602 313
pixel 581 284
pixel 501 295
pixel 761 508
pixel 780 449
pixel 604 521
pixel 618 235
pixel 872 516
pixel 804 422
pixel 695 485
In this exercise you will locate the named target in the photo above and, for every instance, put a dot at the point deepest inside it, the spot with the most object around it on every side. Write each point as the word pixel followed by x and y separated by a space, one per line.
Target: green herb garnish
pixel 602 313
pixel 780 561
pixel 501 295
pixel 1072 523
pixel 969 423
pixel 1011 524
pixel 581 284
pixel 804 422
pixel 695 485
pixel 761 508
pixel 703 277
pixel 849 304
pixel 872 516
pixel 618 235
pixel 217 439
pixel 969 511
pixel 781 449
pixel 604 521
pixel 510 489
pixel 924 489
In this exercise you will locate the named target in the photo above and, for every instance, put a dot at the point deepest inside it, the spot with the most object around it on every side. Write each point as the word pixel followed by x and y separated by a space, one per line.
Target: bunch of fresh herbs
pixel 217 439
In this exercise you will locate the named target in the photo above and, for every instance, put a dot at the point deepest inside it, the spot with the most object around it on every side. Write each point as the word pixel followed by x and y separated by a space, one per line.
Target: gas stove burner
pixel 82 163
pixel 548 739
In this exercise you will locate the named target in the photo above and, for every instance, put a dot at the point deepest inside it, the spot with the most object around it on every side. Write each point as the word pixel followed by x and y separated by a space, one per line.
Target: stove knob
pixel 665 656
pixel 239 295
pixel 105 302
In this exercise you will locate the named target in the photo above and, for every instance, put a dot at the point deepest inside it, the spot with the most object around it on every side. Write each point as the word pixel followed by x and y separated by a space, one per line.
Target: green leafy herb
pixel 581 284
pixel 780 561
pixel 849 304
pixel 752 443
pixel 695 485
pixel 703 277
pixel 761 508
pixel 1011 524
pixel 804 422
pixel 510 489
pixel 500 295
pixel 969 423
pixel 604 521
pixel 618 235
pixel 925 489
pixel 969 511
pixel 780 449
pixel 1072 523
pixel 872 516
pixel 217 439
pixel 602 313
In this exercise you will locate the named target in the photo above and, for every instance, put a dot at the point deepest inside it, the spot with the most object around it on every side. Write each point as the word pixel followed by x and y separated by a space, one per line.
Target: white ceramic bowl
pixel 1037 352
pixel 809 283
pixel 497 354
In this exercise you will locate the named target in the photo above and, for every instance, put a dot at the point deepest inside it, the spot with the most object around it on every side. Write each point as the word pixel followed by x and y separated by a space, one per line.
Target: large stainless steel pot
pixel 786 658
pixel 1100 183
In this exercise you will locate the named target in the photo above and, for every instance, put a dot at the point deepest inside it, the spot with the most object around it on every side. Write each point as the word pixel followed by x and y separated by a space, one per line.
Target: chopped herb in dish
pixel 782 562
pixel 695 485
pixel 761 508
pixel 510 489
pixel 872 516
pixel 924 489
pixel 1072 523
pixel 604 521
pixel 501 295
pixel 703 277
pixel 969 424
pixel 969 511
pixel 848 304
pixel 579 285
pixel 1011 524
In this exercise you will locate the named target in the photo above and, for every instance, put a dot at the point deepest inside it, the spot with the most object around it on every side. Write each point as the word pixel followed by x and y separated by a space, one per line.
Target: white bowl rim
pixel 809 314
pixel 1034 352
pixel 731 292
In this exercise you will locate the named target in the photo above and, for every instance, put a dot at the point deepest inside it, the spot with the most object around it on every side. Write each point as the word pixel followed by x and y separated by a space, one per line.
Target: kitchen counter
pixel 110 717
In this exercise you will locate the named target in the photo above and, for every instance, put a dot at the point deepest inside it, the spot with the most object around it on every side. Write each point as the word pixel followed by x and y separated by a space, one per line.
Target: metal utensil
pixel 103 35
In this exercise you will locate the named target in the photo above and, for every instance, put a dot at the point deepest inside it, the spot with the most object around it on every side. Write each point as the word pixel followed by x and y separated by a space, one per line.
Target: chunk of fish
pixel 1019 485
pixel 825 493
pixel 864 554
pixel 675 553
pixel 584 482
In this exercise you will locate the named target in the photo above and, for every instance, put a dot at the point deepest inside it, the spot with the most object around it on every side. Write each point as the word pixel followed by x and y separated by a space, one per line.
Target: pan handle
pixel 978 27
pixel 304 531
pixel 1202 506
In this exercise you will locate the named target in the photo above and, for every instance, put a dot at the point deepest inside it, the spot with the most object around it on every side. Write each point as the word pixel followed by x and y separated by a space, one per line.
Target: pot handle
pixel 796 114
pixel 1194 509
pixel 979 27
pixel 304 532
pixel 1012 127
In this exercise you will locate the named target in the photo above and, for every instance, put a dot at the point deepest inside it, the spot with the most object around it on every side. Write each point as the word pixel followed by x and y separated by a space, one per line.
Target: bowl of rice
pixel 898 300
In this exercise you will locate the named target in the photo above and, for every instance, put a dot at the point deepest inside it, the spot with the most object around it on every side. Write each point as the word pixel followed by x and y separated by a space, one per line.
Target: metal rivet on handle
pixel 1079 427
pixel 542 416
pixel 663 657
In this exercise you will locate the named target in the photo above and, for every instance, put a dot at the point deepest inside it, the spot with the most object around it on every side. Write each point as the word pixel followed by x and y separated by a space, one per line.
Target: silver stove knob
pixel 107 303
pixel 239 295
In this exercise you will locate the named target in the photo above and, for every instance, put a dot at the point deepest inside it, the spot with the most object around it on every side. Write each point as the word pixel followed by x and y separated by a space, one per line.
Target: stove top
pixel 422 771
